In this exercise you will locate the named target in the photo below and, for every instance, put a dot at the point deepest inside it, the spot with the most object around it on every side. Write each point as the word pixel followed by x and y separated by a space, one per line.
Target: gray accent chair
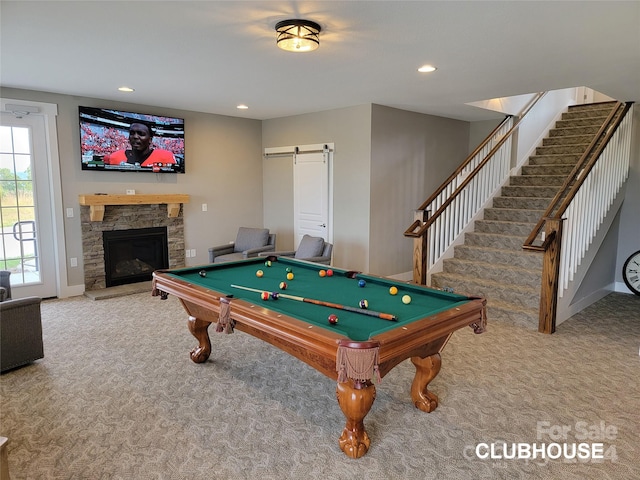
pixel 20 330
pixel 311 249
pixel 249 243
pixel 5 285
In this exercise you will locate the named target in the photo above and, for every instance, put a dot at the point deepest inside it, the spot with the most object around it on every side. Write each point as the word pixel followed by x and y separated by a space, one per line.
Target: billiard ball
pixel 283 285
pixel 275 295
pixel 393 290
pixel 406 299
pixel 322 273
pixel 364 304
pixel 333 319
pixel 361 283
pixel 290 276
pixel 267 263
pixel 288 269
pixel 264 295
pixel 259 273
pixel 202 273
pixel 329 273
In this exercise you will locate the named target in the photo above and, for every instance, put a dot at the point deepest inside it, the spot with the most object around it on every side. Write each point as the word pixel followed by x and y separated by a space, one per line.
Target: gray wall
pixel 385 160
pixel 411 155
pixel 223 169
pixel 629 216
pixel 350 130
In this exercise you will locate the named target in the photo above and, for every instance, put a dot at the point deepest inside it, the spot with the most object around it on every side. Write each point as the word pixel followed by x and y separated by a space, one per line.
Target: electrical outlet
pixel 187 253
pixel 69 212
pixel 131 192
pixel 204 207
pixel 73 261
pixel 193 252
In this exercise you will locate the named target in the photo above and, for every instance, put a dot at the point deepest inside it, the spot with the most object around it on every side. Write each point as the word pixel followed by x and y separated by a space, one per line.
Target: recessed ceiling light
pixel 242 107
pixel 427 69
pixel 126 89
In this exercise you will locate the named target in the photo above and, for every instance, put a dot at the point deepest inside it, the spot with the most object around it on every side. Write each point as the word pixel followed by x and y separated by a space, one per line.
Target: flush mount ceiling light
pixel 298 35
pixel 126 89
pixel 427 69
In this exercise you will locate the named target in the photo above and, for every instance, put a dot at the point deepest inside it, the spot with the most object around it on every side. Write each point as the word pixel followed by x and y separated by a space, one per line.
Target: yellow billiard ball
pixel 393 290
pixel 290 276
pixel 406 299
pixel 322 273
pixel 259 273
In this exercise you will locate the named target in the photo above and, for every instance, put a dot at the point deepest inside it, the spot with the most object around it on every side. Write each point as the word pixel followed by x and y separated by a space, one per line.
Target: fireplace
pixel 132 255
pixel 121 218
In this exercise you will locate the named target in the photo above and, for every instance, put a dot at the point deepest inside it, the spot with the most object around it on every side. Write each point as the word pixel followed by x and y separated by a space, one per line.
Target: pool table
pixel 362 347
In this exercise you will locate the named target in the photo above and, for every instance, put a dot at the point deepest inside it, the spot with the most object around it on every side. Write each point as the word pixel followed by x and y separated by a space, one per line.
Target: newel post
pixel 420 250
pixel 550 274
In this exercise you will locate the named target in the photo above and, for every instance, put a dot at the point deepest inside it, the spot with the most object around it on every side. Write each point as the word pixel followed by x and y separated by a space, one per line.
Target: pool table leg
pixel 198 329
pixel 355 400
pixel 426 370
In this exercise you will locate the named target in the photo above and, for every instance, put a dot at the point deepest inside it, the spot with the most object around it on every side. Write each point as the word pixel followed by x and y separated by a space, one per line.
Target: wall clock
pixel 631 272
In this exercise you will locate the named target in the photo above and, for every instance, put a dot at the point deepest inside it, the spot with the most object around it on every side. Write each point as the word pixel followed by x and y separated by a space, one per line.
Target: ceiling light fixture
pixel 242 106
pixel 298 35
pixel 126 89
pixel 427 69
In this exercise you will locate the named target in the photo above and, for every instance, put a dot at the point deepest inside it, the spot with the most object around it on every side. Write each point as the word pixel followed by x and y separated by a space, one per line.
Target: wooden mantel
pixel 97 202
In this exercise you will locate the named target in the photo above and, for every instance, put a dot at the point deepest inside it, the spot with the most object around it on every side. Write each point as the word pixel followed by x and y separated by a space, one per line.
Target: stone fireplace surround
pixel 123 217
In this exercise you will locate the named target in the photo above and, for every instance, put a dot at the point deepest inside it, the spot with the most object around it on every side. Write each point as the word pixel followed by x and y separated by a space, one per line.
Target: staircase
pixel 491 262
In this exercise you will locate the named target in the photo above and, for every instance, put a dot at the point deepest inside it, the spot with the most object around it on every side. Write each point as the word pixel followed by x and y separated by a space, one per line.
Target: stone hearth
pixel 123 217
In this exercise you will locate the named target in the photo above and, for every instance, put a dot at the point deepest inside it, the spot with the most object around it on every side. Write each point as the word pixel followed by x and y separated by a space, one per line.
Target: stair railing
pixel 449 210
pixel 569 225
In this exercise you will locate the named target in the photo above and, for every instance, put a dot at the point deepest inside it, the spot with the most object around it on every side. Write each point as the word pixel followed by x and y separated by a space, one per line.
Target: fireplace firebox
pixel 131 256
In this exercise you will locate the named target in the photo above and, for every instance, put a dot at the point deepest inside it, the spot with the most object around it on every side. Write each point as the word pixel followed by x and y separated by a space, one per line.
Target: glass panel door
pixel 19 242
pixel 26 211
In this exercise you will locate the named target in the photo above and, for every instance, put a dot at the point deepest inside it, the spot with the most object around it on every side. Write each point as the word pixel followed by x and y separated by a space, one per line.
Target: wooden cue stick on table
pixel 362 311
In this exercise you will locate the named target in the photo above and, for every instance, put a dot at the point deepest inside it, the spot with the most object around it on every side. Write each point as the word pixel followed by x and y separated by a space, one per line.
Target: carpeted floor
pixel 116 397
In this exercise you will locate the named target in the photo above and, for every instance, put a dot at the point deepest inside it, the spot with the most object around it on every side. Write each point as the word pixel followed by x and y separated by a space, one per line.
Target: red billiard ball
pixel 265 295
pixel 333 319
pixel 329 273
pixel 283 285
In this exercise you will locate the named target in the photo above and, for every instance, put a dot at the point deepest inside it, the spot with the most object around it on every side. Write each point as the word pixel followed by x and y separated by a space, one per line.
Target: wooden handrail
pixel 417 228
pixel 576 178
pixel 463 165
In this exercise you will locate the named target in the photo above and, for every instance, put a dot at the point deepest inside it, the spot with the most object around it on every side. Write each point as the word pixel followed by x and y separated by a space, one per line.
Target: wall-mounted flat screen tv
pixel 118 141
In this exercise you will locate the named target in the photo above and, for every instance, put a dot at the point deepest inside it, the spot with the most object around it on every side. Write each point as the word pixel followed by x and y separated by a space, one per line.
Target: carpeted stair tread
pixel 523 215
pixel 537 180
pixel 518 295
pixel 504 227
pixel 494 272
pixel 500 256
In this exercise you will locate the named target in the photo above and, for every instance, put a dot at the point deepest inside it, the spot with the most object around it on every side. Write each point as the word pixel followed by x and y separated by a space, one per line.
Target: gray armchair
pixel 20 332
pixel 5 285
pixel 311 249
pixel 249 243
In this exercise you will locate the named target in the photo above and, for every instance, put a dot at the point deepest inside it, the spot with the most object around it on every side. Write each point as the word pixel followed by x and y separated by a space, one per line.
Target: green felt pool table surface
pixel 340 288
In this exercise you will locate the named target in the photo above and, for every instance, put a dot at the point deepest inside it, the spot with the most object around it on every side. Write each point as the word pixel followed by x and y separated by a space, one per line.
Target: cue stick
pixel 371 313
